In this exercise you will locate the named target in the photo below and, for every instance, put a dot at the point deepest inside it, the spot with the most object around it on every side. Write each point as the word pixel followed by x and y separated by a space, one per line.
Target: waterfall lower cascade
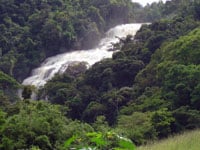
pixel 59 63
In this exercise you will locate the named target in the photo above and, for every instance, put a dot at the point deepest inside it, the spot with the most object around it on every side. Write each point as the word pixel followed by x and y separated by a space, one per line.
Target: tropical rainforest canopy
pixel 148 90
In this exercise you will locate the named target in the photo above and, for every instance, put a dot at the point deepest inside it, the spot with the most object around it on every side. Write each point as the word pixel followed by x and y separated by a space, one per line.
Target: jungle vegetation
pixel 148 90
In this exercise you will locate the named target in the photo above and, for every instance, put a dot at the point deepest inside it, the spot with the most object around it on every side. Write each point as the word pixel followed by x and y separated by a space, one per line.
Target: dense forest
pixel 148 90
pixel 33 30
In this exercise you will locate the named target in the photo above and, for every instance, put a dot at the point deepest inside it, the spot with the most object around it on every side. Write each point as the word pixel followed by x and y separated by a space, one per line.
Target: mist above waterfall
pixel 59 63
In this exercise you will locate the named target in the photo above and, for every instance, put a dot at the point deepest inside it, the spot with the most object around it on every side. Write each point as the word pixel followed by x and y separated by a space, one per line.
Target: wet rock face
pixel 76 68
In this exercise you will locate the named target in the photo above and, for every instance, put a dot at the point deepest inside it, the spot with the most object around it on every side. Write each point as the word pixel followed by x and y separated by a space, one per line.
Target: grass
pixel 186 141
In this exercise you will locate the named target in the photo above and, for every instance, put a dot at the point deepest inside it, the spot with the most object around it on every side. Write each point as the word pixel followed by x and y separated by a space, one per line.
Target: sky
pixel 144 2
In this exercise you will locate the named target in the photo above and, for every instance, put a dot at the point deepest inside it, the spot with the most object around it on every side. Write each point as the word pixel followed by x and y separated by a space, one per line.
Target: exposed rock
pixel 76 68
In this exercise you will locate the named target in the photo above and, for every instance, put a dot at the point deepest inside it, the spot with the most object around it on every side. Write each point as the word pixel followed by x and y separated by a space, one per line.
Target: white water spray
pixel 59 63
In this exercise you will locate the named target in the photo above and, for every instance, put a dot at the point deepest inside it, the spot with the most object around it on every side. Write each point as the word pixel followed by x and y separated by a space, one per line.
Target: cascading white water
pixel 59 63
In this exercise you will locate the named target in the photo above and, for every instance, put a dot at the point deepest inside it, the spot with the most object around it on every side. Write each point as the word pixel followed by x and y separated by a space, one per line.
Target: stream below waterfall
pixel 59 63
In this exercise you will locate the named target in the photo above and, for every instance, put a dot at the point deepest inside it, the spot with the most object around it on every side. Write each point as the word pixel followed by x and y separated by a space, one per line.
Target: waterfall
pixel 59 63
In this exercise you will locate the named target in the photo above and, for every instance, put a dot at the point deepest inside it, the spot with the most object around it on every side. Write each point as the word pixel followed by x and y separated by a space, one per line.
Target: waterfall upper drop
pixel 59 63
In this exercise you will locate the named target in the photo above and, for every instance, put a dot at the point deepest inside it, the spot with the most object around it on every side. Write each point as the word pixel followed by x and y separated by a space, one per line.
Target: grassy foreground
pixel 186 141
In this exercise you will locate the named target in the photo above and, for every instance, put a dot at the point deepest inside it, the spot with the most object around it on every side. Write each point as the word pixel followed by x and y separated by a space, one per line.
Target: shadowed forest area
pixel 148 90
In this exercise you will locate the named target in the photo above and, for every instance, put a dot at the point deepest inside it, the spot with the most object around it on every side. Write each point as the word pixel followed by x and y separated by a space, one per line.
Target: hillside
pixel 185 141
pixel 149 90
pixel 34 30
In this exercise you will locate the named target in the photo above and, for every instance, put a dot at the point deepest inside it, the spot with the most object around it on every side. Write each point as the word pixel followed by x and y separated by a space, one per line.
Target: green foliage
pixel 185 50
pixel 150 100
pixel 7 82
pixel 114 73
pixel 2 119
pixel 162 120
pixel 8 89
pixel 182 86
pixel 69 141
pixel 125 144
pixel 157 11
pixel 33 30
pixel 37 123
pixel 99 140
pixel 186 118
pixel 96 138
pixel 144 90
pixel 174 69
pixel 4 100
pixel 195 97
pixel 148 90
pixel 138 127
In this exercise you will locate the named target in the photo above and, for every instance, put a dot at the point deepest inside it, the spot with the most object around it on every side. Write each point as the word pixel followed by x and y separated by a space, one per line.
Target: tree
pixel 37 124
pixel 162 120
pixel 137 127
